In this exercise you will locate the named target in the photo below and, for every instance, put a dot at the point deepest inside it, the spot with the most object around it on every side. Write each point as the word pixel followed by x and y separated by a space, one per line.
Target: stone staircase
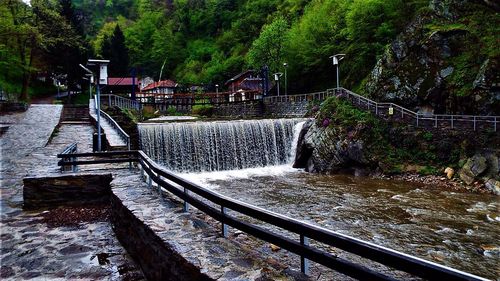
pixel 75 114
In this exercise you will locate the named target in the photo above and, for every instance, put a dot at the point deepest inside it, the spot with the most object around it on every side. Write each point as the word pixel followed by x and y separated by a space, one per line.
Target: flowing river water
pixel 460 230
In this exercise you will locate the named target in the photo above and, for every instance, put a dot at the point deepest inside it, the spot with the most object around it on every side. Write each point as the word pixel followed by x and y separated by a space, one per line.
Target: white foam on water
pixel 207 179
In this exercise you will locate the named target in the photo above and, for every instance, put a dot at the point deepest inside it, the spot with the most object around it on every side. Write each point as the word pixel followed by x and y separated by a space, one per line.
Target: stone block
pixel 66 190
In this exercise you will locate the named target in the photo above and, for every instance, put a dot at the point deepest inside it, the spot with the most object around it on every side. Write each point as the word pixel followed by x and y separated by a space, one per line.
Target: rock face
pixel 484 167
pixel 324 149
pixel 437 62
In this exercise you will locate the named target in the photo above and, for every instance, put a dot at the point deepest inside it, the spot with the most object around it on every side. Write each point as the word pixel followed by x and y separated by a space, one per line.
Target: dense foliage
pixel 199 41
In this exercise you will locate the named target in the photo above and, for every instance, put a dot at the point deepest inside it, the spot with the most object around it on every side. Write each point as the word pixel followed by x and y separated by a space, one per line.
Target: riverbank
pixel 345 139
pixel 438 182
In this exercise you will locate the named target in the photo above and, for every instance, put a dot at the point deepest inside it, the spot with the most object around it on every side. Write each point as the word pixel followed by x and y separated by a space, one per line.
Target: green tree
pixel 268 48
pixel 114 49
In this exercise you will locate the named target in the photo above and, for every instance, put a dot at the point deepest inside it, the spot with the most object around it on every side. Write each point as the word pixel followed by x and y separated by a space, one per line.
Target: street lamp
pixel 90 76
pixel 336 60
pixel 286 82
pixel 277 76
pixel 102 79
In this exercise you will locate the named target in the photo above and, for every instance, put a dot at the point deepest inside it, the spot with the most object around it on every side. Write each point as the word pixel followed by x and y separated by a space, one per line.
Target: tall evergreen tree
pixel 114 49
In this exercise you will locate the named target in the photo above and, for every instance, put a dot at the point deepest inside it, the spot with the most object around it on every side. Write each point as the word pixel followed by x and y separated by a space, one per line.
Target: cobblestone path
pixel 32 246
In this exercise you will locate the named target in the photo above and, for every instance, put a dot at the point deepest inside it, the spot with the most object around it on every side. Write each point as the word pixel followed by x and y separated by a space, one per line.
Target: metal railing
pixel 121 102
pixel 106 157
pixel 121 133
pixel 217 206
pixel 299 98
pixel 69 156
pixel 388 109
pixel 419 120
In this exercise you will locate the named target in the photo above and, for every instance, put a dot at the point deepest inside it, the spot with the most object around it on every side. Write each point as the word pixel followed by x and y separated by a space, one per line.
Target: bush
pixel 202 110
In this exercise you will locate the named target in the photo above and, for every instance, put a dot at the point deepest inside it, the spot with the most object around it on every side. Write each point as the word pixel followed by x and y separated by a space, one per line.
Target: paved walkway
pixel 46 244
pixel 112 135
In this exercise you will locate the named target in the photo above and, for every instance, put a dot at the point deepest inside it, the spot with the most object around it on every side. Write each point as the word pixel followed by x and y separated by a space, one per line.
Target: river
pixel 460 230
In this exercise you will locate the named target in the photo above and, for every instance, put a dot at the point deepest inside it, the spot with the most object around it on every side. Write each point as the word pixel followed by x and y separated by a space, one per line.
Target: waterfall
pixel 221 145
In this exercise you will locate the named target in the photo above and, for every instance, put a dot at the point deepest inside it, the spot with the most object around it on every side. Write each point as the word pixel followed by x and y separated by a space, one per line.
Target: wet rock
pixel 6 271
pixel 74 249
pixel 493 186
pixel 450 172
pixel 473 168
pixel 31 275
pixel 274 248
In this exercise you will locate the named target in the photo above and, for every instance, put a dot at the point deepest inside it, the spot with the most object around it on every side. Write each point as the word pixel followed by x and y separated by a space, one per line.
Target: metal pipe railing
pixel 204 200
pixel 69 153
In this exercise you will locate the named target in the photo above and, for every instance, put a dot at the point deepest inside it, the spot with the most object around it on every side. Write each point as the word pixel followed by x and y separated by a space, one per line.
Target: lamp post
pixel 277 76
pixel 89 77
pixel 102 79
pixel 336 60
pixel 286 82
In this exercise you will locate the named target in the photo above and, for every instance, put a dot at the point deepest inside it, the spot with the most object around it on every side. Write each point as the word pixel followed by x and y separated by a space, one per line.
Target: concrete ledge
pixel 172 245
pixel 66 190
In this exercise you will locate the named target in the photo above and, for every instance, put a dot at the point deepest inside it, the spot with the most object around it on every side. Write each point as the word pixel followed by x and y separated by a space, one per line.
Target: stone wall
pixel 239 109
pixel 66 190
pixel 158 260
pixel 170 244
pixel 13 106
pixel 286 109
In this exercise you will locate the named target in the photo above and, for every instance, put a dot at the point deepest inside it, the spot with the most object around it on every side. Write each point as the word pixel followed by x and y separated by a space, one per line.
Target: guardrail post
pixel 495 124
pixel 109 100
pixel 474 123
pixel 142 171
pixel 225 232
pixel 74 166
pixel 435 121
pixel 186 204
pixel 417 120
pixel 304 263
pixel 160 193
pixel 452 121
pixel 128 147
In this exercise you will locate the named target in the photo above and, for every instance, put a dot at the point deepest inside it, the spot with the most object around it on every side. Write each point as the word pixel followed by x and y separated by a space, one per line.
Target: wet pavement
pixel 32 245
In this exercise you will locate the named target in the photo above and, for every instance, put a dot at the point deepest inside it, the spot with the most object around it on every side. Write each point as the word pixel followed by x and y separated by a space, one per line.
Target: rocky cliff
pixel 345 139
pixel 446 61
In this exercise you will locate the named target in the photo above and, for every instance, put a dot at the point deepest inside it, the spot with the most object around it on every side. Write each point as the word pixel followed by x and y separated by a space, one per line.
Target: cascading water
pixel 221 145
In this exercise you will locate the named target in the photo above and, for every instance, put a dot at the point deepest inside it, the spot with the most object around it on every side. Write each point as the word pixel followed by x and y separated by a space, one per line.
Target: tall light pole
pixel 102 78
pixel 286 82
pixel 336 60
pixel 277 76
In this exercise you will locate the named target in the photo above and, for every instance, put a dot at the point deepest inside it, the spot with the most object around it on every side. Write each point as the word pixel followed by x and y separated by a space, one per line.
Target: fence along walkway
pixel 397 112
pixel 218 206
pixel 115 135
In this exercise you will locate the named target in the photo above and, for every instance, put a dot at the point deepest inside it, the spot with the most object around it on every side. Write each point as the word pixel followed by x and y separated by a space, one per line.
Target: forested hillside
pixel 209 41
